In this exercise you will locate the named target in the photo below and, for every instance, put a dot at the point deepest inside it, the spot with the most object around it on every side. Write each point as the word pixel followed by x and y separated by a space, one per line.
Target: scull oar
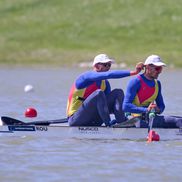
pixel 152 135
pixel 11 121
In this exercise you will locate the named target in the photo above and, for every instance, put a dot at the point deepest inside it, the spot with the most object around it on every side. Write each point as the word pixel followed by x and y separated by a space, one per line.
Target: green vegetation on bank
pixel 65 32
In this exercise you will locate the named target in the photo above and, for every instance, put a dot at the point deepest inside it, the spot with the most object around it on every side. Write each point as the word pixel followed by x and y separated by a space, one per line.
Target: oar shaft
pixel 152 135
pixel 48 122
pixel 150 124
pixel 151 119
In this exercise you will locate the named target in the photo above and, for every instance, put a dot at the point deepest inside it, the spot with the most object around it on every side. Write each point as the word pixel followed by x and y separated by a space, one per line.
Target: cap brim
pixel 108 60
pixel 156 64
pixel 159 64
pixel 104 61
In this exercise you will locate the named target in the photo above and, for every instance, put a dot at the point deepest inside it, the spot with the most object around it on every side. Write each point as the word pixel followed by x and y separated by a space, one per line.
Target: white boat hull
pixel 88 132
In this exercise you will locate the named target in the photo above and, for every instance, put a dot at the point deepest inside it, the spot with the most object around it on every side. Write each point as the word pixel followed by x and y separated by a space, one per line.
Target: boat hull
pixel 88 132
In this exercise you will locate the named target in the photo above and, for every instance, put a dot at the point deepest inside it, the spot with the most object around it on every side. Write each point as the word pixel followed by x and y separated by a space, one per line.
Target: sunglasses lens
pixel 159 68
pixel 107 64
pixel 156 68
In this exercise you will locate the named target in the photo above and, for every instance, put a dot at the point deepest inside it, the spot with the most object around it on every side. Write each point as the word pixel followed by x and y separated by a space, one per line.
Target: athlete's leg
pixel 173 120
pixel 115 102
pixel 93 111
pixel 167 122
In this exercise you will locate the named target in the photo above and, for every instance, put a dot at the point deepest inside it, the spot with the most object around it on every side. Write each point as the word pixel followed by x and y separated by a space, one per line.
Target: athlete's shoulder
pixel 135 79
pixel 158 81
pixel 86 74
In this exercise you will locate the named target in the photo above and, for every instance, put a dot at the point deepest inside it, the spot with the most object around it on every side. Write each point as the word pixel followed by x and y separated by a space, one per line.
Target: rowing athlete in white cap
pixel 144 94
pixel 91 100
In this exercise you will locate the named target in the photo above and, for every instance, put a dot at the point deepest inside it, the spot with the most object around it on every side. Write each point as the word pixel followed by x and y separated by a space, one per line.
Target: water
pixel 52 159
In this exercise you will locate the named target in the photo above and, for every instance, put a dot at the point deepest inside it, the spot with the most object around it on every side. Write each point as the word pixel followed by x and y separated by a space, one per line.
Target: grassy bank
pixel 65 32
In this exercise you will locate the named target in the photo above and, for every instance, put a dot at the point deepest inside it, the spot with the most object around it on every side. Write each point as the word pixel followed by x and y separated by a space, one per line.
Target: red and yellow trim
pixel 74 103
pixel 146 94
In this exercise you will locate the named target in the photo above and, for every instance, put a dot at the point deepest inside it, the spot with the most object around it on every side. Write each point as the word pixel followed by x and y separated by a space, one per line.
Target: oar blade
pixel 11 121
pixel 153 136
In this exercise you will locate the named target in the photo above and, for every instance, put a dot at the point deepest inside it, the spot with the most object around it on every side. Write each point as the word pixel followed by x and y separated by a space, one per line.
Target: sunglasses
pixel 106 64
pixel 156 68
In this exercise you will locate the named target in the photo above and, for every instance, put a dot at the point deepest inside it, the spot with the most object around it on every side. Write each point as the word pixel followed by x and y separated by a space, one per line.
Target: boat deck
pixel 88 132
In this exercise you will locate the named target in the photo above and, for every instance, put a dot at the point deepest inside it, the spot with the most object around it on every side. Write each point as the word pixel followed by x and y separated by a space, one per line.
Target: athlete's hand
pixel 139 67
pixel 153 106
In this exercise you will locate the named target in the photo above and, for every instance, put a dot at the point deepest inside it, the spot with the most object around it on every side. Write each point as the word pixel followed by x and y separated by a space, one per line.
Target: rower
pixel 144 93
pixel 91 100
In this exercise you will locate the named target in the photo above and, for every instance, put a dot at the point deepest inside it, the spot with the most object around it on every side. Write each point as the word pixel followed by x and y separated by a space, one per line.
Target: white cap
pixel 102 58
pixel 155 60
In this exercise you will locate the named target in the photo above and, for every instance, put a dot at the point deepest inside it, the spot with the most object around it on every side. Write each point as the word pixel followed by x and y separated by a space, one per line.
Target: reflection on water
pixel 52 159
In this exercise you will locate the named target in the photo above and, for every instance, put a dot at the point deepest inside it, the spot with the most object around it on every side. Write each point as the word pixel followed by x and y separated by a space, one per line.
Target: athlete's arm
pixel 159 99
pixel 89 77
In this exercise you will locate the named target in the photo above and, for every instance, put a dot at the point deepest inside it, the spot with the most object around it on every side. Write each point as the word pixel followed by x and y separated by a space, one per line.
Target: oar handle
pixel 151 115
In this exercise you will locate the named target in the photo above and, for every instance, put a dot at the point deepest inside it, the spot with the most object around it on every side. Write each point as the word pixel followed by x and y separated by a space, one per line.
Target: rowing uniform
pixel 140 93
pixel 91 100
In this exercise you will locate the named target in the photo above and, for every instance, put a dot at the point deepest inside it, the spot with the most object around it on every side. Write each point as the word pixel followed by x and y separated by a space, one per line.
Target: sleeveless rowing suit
pixel 76 96
pixel 146 94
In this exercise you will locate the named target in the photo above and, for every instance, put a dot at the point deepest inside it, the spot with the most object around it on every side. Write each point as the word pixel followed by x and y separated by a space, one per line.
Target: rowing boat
pixel 124 132
pixel 88 132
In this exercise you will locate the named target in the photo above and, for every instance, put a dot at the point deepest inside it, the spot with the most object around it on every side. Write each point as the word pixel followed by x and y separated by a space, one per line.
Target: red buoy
pixel 153 136
pixel 30 112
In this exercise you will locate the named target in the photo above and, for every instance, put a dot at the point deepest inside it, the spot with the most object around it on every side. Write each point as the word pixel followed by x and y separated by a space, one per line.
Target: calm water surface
pixel 52 159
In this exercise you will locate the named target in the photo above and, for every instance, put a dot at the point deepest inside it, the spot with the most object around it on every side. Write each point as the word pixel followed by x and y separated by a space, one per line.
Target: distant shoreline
pixel 82 65
pixel 70 33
